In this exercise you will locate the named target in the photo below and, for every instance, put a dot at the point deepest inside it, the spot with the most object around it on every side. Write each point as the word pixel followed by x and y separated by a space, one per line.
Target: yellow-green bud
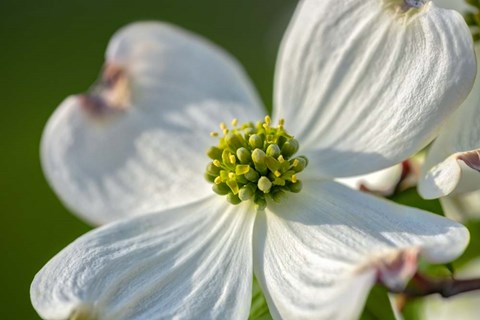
pixel 255 141
pixel 264 184
pixel 247 192
pixel 289 148
pixel 244 155
pixel 273 150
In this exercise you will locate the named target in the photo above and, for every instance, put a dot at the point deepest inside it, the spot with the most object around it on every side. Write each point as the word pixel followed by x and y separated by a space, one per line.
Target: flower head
pixel 360 86
pixel 452 165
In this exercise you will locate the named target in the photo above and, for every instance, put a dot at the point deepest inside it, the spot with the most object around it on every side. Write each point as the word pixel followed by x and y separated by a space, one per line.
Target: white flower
pixel 362 84
pixel 451 169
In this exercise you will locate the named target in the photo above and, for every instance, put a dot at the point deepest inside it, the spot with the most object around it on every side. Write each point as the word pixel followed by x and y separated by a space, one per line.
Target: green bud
pixel 247 192
pixel 281 140
pixel 233 199
pixel 214 153
pixel 260 202
pixel 242 180
pixel 221 189
pixel 273 150
pixel 209 177
pixel 278 195
pixel 289 148
pixel 264 184
pixel 279 182
pixel 212 169
pixel 255 141
pixel 244 155
pixel 299 164
pixel 295 187
pixel 252 175
pixel 304 159
pixel 233 140
pixel 258 157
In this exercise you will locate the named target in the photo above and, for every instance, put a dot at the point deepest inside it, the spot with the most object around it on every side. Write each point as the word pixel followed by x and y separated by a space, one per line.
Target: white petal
pixel 382 182
pixel 465 306
pixel 453 161
pixel 462 207
pixel 365 84
pixel 318 254
pixel 458 5
pixel 191 262
pixel 108 157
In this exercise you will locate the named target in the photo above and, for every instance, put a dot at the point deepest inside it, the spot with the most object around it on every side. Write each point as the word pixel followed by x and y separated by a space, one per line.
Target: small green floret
pixel 255 162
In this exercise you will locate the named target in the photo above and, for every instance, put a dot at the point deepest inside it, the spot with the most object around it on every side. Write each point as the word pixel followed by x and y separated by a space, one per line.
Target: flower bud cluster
pixel 255 162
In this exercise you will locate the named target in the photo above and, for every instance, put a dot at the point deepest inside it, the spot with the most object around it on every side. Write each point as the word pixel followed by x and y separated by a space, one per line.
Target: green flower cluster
pixel 253 162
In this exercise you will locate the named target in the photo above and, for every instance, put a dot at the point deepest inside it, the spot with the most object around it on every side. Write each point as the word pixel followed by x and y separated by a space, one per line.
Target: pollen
pixel 255 162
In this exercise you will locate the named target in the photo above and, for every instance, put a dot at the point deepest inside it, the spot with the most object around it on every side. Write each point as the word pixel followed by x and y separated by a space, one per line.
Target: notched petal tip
pixel 110 94
pixel 471 159
pixel 451 176
pixel 396 269
pixel 406 8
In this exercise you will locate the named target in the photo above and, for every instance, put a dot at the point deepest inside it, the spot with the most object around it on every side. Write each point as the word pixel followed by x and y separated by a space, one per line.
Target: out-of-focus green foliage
pixel 378 305
pixel 259 308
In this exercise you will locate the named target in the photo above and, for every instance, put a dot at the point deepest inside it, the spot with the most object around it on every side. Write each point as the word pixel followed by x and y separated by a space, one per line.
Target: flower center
pixel 255 162
pixel 405 8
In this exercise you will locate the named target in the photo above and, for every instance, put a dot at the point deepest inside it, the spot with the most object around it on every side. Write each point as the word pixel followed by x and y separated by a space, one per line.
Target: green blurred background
pixel 51 49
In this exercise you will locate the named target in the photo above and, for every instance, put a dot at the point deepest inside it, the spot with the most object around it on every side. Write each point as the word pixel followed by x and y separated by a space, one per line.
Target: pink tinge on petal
pixel 407 179
pixel 109 95
pixel 410 174
pixel 471 159
pixel 394 271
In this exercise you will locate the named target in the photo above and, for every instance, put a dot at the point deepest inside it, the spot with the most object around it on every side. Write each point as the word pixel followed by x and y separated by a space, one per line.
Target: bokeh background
pixel 51 49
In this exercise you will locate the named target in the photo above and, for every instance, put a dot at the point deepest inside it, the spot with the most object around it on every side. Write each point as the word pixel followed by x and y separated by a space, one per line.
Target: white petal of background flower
pixel 317 254
pixel 443 171
pixel 365 112
pixel 462 207
pixel 458 5
pixel 191 262
pixel 382 182
pixel 150 156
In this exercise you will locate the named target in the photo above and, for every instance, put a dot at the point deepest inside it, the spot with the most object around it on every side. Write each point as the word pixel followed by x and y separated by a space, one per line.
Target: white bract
pixel 451 169
pixel 362 84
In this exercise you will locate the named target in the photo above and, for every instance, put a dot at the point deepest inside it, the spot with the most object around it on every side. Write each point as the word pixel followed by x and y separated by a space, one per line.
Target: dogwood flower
pixel 362 84
pixel 452 165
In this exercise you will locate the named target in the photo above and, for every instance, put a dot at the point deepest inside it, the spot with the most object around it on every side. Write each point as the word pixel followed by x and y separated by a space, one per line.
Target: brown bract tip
pixel 471 159
pixel 109 95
